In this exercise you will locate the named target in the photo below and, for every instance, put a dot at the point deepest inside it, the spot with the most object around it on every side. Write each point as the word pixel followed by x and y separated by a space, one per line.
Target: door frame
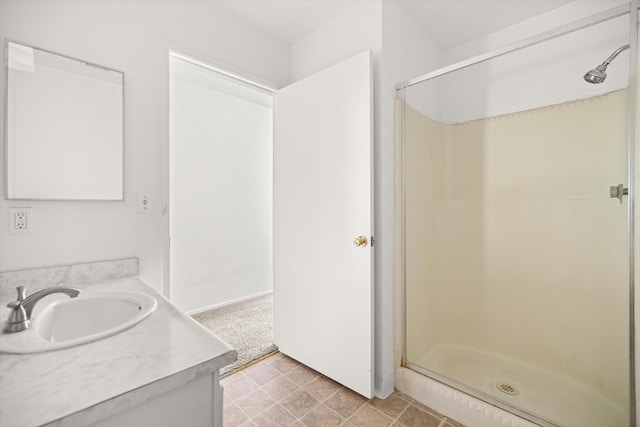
pixel 178 51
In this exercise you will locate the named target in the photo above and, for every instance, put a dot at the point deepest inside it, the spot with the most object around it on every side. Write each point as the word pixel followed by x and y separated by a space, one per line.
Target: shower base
pixel 545 394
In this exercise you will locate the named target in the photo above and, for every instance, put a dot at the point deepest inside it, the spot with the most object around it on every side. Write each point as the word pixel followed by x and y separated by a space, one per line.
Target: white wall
pixel 407 52
pixel 134 37
pixel 355 30
pixel 221 211
pixel 545 74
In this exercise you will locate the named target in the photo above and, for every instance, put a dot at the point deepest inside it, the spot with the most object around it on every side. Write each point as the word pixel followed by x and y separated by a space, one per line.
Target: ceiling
pixel 287 20
pixel 448 23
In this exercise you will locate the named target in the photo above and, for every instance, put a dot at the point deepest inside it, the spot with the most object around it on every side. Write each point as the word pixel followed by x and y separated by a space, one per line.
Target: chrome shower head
pixel 598 74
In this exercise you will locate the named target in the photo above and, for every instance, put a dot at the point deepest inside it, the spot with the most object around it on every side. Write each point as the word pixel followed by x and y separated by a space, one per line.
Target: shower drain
pixel 507 389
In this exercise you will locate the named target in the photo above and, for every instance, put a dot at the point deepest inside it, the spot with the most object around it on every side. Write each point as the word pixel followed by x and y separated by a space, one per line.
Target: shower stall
pixel 516 247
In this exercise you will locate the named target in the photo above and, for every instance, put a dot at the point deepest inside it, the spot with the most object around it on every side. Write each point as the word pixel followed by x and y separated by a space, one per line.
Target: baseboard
pixel 233 301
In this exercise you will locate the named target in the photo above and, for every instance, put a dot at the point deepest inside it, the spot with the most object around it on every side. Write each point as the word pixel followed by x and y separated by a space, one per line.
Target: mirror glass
pixel 64 127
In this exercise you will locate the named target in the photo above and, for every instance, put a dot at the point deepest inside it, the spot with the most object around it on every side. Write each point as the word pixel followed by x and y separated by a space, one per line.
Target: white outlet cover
pixel 13 212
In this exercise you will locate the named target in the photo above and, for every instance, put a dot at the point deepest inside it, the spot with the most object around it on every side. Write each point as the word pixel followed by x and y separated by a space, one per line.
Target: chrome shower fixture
pixel 598 74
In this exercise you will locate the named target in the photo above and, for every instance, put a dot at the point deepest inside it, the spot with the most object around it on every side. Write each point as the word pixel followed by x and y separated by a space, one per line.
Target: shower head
pixel 598 74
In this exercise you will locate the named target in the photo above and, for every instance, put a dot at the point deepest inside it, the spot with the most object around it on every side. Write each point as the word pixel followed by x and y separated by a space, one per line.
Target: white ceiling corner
pixel 288 20
pixel 448 23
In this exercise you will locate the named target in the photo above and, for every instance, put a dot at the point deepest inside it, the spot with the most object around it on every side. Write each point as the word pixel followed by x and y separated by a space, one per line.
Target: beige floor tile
pixel 345 402
pixel 322 387
pixel 284 364
pixel 279 391
pixel 403 396
pixel 224 381
pixel 299 403
pixel 368 416
pixel 255 402
pixel 273 357
pixel 280 388
pixel 226 399
pixel 417 417
pixel 302 375
pixel 233 416
pixel 322 416
pixel 240 387
pixel 262 373
pixel 392 405
pixel 275 415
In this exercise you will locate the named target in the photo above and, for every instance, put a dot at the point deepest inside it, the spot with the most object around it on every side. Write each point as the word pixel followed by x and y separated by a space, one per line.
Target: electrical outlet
pixel 144 202
pixel 20 221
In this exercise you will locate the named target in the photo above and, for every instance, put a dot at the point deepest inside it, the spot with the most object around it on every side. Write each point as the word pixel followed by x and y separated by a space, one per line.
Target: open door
pixel 323 223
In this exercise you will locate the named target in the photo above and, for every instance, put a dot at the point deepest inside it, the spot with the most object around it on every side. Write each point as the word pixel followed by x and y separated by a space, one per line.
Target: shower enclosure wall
pixel 515 253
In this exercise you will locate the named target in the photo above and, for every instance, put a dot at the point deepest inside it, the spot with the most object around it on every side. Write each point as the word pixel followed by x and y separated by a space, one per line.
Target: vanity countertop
pixel 80 385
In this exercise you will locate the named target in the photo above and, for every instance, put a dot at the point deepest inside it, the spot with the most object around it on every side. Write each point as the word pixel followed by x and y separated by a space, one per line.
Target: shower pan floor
pixel 531 389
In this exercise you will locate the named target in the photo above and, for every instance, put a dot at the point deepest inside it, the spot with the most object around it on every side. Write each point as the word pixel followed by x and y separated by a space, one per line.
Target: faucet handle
pixel 22 290
pixel 18 319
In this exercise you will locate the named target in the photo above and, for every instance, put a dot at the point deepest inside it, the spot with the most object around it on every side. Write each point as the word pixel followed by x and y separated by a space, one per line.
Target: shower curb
pixel 454 404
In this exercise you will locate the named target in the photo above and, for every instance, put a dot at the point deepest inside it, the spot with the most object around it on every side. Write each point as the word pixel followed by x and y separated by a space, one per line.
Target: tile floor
pixel 279 391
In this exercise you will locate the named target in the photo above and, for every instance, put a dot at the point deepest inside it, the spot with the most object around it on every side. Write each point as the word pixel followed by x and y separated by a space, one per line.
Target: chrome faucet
pixel 21 308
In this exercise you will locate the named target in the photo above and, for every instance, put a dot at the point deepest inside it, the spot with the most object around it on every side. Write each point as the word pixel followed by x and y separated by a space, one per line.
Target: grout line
pixel 277 402
pixel 310 410
pixel 377 410
pixel 320 402
pixel 300 388
pixel 403 411
pixel 280 400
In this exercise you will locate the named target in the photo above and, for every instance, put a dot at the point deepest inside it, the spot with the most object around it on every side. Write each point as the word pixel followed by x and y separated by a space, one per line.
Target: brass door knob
pixel 360 241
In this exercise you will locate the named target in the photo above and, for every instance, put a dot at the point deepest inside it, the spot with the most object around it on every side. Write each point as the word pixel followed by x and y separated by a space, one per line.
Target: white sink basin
pixel 70 322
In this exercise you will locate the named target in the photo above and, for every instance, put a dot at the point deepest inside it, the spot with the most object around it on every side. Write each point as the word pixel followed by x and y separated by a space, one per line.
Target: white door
pixel 323 201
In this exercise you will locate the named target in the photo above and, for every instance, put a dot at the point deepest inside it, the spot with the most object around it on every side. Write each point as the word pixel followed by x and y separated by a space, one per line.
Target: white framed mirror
pixel 64 133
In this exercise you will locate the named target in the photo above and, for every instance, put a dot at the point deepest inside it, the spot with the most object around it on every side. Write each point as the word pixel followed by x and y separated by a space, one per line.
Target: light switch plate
pixel 145 204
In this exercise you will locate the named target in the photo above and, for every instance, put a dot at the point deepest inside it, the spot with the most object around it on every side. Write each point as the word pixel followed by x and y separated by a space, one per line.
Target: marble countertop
pixel 81 385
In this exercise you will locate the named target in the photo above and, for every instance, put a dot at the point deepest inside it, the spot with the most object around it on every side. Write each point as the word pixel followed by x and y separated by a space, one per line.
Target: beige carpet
pixel 246 326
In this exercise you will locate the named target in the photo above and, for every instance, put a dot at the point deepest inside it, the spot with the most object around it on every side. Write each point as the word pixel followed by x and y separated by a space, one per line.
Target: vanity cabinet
pixel 163 371
pixel 195 404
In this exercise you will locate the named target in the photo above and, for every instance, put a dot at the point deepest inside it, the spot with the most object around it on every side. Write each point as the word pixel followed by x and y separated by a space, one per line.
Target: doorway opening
pixel 221 210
